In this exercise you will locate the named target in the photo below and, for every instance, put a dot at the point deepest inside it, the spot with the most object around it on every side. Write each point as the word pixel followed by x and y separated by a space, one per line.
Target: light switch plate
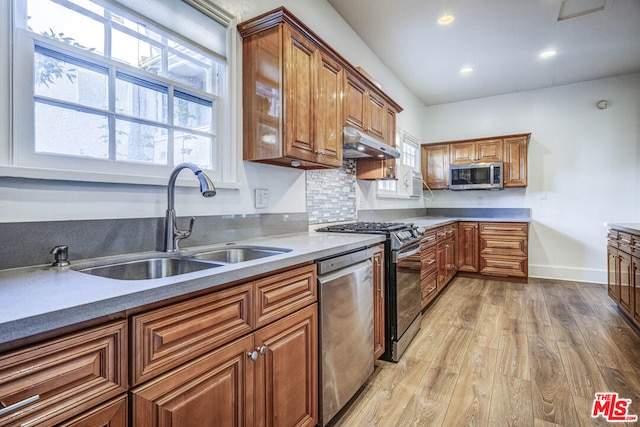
pixel 262 198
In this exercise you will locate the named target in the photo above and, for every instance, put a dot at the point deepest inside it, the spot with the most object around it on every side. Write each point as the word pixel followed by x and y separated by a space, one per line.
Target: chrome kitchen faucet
pixel 172 235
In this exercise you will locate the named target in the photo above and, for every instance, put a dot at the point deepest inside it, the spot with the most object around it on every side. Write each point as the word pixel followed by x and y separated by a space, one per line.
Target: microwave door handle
pixel 491 174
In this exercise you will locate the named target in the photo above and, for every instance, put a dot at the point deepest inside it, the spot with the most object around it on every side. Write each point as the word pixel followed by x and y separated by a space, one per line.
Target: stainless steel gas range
pixel 402 311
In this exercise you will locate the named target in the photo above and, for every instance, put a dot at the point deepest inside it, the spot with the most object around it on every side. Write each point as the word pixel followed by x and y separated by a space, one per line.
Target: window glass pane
pixel 58 132
pixel 188 147
pixel 89 5
pixel 138 142
pixel 136 26
pixel 192 112
pixel 136 52
pixel 70 81
pixel 59 23
pixel 144 101
pixel 189 73
pixel 410 153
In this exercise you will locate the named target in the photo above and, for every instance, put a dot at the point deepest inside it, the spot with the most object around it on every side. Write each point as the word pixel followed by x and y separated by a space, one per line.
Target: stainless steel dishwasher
pixel 345 286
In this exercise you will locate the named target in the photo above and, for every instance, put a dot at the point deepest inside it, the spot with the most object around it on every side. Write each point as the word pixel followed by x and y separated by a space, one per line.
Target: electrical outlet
pixel 262 198
pixel 543 195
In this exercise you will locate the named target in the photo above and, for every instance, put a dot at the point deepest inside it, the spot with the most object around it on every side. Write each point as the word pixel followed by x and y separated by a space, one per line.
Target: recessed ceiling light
pixel 466 70
pixel 445 19
pixel 548 53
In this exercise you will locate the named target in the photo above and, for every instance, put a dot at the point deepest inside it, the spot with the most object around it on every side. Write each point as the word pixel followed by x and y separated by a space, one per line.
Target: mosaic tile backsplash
pixel 331 194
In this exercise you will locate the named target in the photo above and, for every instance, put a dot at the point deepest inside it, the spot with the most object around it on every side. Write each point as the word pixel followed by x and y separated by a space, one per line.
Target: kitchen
pixel 572 143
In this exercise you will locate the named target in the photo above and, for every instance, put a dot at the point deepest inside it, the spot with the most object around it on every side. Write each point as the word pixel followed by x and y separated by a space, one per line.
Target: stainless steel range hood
pixel 358 145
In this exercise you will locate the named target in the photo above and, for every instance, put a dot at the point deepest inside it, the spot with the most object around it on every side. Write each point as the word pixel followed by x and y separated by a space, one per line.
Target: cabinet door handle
pixel 253 355
pixel 18 405
pixel 431 262
pixel 431 289
pixel 262 350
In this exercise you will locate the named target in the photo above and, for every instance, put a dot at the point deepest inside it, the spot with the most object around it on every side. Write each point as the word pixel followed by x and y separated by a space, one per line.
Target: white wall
pixel 38 200
pixel 584 160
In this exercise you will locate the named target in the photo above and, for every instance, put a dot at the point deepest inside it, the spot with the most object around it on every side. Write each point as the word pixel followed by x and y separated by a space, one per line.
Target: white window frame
pixel 413 142
pixel 17 109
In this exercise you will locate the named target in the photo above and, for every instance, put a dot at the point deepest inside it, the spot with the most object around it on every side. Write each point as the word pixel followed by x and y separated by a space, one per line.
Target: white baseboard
pixel 568 273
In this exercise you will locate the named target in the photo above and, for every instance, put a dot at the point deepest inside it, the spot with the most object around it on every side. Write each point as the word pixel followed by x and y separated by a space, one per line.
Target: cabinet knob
pixel 262 350
pixel 253 355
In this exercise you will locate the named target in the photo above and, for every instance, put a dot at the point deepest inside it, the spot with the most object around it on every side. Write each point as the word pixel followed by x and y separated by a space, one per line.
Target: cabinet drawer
pixel 111 414
pixel 285 293
pixel 440 234
pixel 429 238
pixel 167 337
pixel 428 261
pixel 450 230
pixel 429 289
pixel 625 242
pixel 504 228
pixel 504 266
pixel 66 376
pixel 496 245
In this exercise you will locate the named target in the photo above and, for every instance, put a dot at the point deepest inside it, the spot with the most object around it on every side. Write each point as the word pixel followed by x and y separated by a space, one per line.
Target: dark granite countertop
pixel 40 299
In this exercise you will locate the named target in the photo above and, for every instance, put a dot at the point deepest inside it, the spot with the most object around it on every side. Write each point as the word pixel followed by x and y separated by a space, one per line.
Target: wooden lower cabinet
pixel 268 378
pixel 64 377
pixel 504 249
pixel 635 280
pixel 437 261
pixel 625 281
pixel 623 272
pixel 378 302
pixel 286 375
pixel 110 414
pixel 213 390
pixel 621 279
pixel 468 247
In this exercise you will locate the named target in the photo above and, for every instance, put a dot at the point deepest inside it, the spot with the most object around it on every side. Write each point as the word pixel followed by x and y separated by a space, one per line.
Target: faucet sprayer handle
pixel 182 234
pixel 193 219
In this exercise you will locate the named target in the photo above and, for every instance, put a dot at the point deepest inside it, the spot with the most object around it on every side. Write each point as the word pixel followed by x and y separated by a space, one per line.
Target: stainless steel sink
pixel 152 268
pixel 235 254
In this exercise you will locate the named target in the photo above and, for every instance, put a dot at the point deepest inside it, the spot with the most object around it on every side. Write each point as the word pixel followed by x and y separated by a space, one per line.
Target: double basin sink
pixel 172 264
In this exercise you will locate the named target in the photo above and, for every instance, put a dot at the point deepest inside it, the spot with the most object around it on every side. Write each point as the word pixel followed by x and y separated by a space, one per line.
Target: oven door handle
pixel 397 256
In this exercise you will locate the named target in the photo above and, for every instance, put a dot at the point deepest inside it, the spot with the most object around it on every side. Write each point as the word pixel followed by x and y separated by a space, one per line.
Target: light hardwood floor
pixel 493 353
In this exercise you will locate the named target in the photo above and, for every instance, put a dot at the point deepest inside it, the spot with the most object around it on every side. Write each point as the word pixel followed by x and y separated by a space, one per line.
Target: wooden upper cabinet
pixel 511 150
pixel 354 102
pixel 292 95
pixel 482 151
pixel 367 111
pixel 377 117
pixel 300 73
pixel 298 93
pixel 515 161
pixel 328 123
pixel 463 152
pixel 489 150
pixel 435 166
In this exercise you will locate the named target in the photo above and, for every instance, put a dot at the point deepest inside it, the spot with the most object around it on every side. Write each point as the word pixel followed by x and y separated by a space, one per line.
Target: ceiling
pixel 499 39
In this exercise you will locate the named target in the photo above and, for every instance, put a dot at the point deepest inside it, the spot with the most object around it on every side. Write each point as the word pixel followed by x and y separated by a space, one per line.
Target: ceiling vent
pixel 570 9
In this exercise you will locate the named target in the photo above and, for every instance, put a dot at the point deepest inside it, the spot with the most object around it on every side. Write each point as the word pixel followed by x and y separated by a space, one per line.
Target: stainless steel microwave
pixel 476 176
